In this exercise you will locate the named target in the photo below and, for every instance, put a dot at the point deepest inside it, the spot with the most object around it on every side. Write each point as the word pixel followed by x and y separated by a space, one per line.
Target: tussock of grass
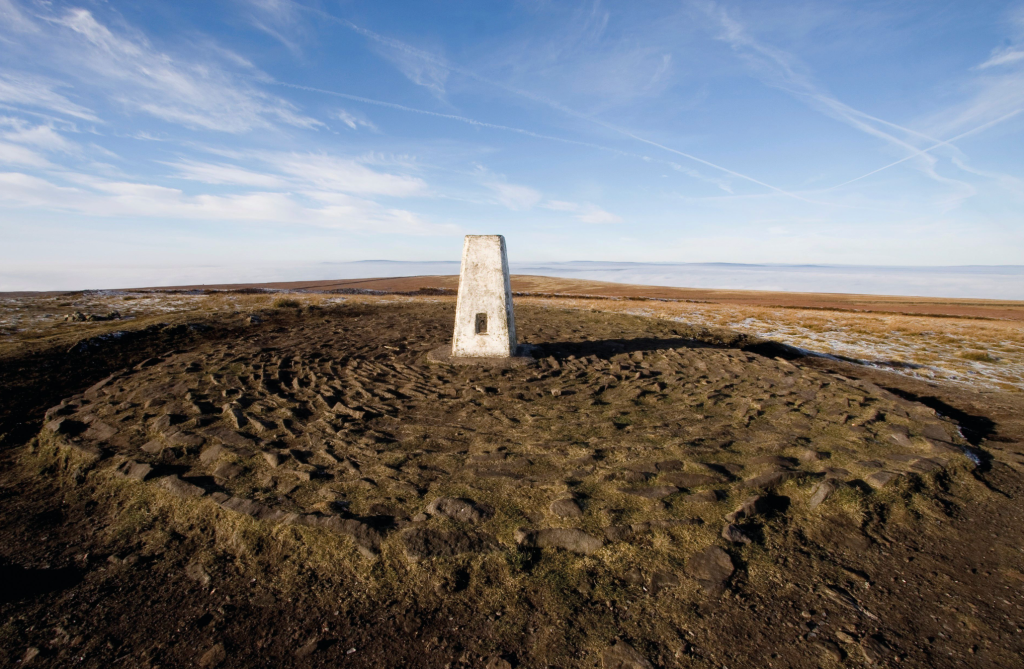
pixel 285 303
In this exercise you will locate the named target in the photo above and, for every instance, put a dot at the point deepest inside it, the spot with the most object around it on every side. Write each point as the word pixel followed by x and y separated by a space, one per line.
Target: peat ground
pixel 101 570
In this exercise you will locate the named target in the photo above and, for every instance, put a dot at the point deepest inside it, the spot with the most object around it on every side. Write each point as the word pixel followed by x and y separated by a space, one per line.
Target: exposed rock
pixel 135 470
pixel 772 480
pixel 229 437
pixel 669 465
pixel 810 455
pixel 712 567
pixel 623 656
pixel 273 459
pixel 662 580
pixel 654 492
pixel 211 453
pixel 307 649
pixel 366 537
pixel 881 479
pixel 227 471
pixel 99 431
pixel 462 510
pixel 425 542
pixel 734 534
pixel 874 649
pixel 197 572
pixel 823 491
pixel 702 497
pixel 566 508
pixel 153 447
pixel 573 540
pixel 623 532
pixel 236 417
pixel 497 662
pixel 832 650
pixel 213 657
pixel 179 488
pixel 751 506
pixel 773 460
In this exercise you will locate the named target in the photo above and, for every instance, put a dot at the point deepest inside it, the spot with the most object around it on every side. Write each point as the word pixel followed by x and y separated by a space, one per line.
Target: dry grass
pixel 979 353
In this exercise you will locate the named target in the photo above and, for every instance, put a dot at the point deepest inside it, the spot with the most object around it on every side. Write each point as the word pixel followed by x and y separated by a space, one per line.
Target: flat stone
pixel 735 534
pixel 213 657
pixel 662 580
pixel 235 417
pixel 228 471
pixel 135 470
pixel 702 497
pixel 273 459
pixel 936 431
pixel 669 465
pixel 653 492
pixel 153 447
pixel 307 649
pixel 566 508
pixel 462 510
pixel 427 542
pixel 712 567
pixel 179 488
pixel 773 460
pixel 874 649
pixel 925 466
pixel 229 437
pixel 99 431
pixel 183 439
pixel 366 537
pixel 573 540
pixel 211 453
pixel 881 479
pixel 822 491
pixel 750 507
pixel 771 480
pixel 623 656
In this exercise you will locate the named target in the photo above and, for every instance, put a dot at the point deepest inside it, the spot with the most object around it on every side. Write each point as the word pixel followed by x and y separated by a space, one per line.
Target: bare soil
pixel 311 490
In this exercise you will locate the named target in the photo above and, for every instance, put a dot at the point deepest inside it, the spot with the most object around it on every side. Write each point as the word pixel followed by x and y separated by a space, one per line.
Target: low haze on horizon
pixel 273 133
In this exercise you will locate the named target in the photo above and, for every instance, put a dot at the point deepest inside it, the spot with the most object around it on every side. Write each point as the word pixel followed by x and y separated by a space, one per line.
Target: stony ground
pixel 308 488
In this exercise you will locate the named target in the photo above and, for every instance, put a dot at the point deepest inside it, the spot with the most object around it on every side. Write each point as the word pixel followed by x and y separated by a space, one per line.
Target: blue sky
pixel 146 137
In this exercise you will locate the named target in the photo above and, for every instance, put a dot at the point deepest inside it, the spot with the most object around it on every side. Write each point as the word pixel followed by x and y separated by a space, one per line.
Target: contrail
pixel 455 117
pixel 440 62
pixel 981 127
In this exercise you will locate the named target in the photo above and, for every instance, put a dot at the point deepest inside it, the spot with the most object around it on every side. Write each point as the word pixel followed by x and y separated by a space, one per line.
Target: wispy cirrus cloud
pixel 41 93
pixel 514 196
pixel 585 212
pixel 98 197
pixel 208 88
pixel 293 170
pixel 354 121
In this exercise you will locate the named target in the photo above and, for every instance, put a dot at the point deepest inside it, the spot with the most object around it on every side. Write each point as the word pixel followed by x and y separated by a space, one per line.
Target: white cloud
pixel 203 89
pixel 515 197
pixel 107 198
pixel 353 121
pixel 221 173
pixel 41 136
pixel 301 171
pixel 1003 57
pixel 22 89
pixel 344 175
pixel 13 154
pixel 585 213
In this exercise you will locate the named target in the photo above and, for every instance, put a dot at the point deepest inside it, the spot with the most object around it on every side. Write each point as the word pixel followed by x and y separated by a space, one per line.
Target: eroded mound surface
pixel 625 429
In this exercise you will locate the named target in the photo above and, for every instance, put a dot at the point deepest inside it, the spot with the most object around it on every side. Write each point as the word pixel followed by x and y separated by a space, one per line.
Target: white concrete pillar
pixel 485 325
